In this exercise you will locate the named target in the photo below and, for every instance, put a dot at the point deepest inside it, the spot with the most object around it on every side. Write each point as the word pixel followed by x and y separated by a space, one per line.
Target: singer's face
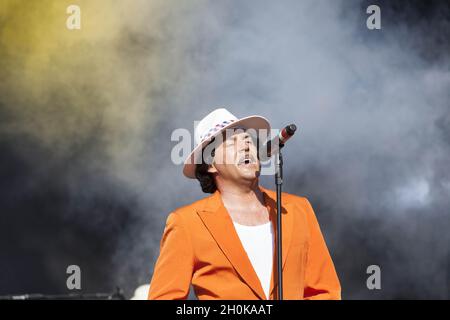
pixel 236 156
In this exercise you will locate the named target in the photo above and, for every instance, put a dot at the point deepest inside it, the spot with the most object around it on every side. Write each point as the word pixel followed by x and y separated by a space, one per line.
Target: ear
pixel 212 169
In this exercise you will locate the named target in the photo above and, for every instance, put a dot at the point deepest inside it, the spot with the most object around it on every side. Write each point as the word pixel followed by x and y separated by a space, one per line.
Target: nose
pixel 246 144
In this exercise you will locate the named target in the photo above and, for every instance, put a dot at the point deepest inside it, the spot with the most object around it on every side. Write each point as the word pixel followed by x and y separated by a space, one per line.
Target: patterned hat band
pixel 214 129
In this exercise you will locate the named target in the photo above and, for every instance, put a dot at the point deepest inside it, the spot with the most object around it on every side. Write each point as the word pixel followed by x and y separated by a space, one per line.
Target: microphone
pixel 272 146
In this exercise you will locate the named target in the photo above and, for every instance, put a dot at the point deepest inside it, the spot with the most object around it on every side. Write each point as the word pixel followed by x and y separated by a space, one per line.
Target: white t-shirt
pixel 258 243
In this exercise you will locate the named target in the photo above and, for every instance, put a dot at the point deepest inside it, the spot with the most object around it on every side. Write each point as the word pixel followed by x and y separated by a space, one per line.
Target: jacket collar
pixel 219 223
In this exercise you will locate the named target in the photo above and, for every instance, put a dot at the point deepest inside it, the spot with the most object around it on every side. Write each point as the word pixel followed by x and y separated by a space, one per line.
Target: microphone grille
pixel 290 129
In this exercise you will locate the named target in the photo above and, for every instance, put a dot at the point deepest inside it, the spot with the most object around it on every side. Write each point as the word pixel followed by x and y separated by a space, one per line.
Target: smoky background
pixel 86 119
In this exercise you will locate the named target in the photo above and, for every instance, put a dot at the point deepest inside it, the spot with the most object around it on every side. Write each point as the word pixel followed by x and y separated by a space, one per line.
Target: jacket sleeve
pixel 173 269
pixel 321 280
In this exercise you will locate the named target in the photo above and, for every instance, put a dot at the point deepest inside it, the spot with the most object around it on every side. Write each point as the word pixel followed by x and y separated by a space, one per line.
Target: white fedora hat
pixel 211 126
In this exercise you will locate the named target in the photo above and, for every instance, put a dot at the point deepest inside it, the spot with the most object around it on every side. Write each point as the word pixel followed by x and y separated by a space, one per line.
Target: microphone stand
pixel 283 136
pixel 279 183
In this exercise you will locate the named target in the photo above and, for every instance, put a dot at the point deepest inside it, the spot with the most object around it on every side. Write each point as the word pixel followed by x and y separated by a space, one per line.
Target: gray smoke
pixel 373 147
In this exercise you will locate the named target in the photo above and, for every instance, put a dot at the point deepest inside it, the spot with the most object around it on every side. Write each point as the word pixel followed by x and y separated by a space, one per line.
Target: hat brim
pixel 251 122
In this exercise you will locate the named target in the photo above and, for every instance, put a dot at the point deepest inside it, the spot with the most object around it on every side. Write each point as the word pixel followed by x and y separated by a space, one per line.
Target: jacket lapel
pixel 219 223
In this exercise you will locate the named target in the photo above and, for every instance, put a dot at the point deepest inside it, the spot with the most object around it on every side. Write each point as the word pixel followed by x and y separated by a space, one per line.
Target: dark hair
pixel 206 178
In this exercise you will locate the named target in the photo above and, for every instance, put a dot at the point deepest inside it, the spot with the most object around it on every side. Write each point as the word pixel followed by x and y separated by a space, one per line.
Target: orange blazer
pixel 200 246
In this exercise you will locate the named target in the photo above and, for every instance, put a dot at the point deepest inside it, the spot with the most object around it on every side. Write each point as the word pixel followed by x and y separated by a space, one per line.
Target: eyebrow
pixel 233 137
pixel 245 132
pixel 247 136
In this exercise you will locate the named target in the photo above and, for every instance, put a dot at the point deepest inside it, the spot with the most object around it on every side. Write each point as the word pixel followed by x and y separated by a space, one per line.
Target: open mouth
pixel 246 160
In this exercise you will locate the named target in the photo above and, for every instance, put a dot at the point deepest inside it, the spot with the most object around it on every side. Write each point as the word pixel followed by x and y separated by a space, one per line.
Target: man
pixel 224 244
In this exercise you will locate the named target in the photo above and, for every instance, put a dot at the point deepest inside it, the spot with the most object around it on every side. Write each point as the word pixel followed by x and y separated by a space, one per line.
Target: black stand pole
pixel 279 182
